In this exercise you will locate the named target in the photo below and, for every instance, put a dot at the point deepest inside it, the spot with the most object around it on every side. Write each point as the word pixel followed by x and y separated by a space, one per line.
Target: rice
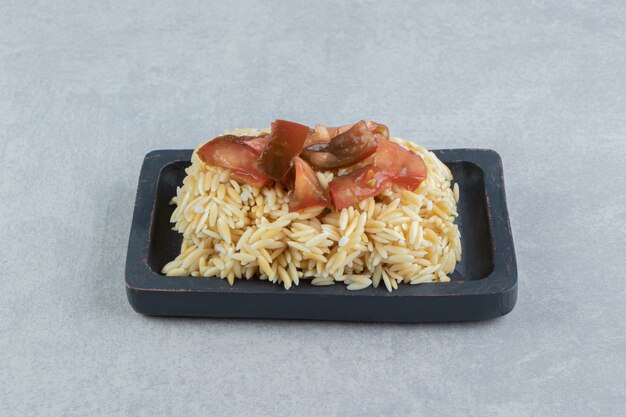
pixel 237 231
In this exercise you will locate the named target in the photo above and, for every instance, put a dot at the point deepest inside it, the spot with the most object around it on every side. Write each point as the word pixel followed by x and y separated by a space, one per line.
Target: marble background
pixel 88 88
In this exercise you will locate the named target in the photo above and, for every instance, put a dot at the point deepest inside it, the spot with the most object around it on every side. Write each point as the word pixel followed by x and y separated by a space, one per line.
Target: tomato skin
pixel 307 190
pixel 392 164
pixel 234 153
pixel 285 142
pixel 378 128
pixel 255 142
pixel 345 149
pixel 402 166
pixel 358 185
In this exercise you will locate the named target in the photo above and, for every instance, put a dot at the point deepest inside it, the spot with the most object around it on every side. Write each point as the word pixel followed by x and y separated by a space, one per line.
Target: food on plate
pixel 343 150
pixel 346 204
pixel 284 143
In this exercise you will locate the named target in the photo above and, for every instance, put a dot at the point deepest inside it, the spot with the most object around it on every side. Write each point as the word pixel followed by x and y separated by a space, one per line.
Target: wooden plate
pixel 483 286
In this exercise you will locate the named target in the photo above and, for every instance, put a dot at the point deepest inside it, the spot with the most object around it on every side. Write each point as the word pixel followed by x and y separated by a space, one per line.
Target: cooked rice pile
pixel 237 231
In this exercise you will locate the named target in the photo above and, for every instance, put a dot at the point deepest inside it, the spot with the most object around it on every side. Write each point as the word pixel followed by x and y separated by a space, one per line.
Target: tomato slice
pixel 322 134
pixel 358 185
pixel 393 164
pixel 402 166
pixel 377 128
pixel 255 142
pixel 307 191
pixel 317 135
pixel 347 148
pixel 331 132
pixel 236 154
pixel 285 142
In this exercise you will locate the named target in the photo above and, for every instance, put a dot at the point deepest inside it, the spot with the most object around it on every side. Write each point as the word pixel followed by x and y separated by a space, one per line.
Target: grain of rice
pixel 314 256
pixel 423 278
pixel 439 211
pixel 375 224
pixel 343 219
pixel 244 238
pixel 215 182
pixel 243 257
pixel 386 280
pixel 351 226
pixel 299 246
pixel 211 271
pixel 397 250
pixel 394 284
pixel 304 235
pixel 359 286
pixel 285 278
pixel 379 238
pixel 265 254
pixel 350 258
pixel 400 258
pixel 250 272
pixel 178 272
pixel 333 233
pixel 317 240
pixel 218 263
pixel 296 255
pixel 322 281
pixel 223 229
pixel 193 258
pixel 170 266
pixel 293 273
pixel 224 175
pixel 283 221
pixel 336 262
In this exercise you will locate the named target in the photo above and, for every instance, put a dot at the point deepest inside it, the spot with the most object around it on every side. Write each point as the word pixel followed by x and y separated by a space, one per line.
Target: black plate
pixel 483 286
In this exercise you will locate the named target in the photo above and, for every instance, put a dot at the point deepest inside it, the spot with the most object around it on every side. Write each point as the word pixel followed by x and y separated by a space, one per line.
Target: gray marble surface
pixel 87 89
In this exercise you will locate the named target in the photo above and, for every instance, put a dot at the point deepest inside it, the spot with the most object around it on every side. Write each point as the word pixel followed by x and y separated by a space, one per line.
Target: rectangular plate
pixel 483 286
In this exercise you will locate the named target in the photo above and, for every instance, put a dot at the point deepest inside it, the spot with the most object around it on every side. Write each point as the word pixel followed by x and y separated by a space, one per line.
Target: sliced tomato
pixel 392 164
pixel 236 154
pixel 402 166
pixel 255 142
pixel 317 135
pixel 345 149
pixel 377 128
pixel 307 191
pixel 358 185
pixel 335 131
pixel 289 179
pixel 323 134
pixel 285 142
